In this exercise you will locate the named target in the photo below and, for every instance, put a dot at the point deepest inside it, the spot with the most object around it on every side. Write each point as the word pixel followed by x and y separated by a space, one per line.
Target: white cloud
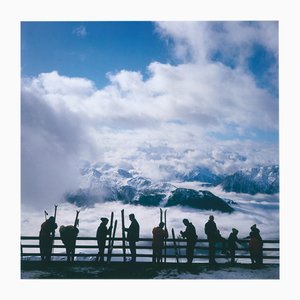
pixel 150 122
pixel 199 40
pixel 260 210
pixel 80 31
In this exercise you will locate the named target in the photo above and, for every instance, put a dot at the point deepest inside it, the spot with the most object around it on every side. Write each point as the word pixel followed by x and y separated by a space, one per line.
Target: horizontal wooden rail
pixel 81 238
pixel 144 249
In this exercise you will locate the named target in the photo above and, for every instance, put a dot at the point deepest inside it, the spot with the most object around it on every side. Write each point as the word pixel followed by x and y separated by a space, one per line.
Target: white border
pixel 13 12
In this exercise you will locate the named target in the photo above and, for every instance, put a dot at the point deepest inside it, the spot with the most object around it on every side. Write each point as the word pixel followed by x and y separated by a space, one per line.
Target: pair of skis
pixel 123 235
pixel 175 246
pixel 163 218
pixel 76 224
pixel 46 213
pixel 111 238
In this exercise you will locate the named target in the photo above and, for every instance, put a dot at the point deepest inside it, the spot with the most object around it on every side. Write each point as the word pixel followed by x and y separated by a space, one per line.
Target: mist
pixel 262 210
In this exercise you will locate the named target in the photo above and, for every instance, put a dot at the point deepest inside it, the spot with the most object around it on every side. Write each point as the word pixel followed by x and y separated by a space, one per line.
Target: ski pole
pixel 165 239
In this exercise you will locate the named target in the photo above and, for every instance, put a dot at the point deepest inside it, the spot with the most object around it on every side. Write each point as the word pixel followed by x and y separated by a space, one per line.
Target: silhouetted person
pixel 232 244
pixel 133 234
pixel 213 235
pixel 102 233
pixel 191 239
pixel 159 234
pixel 46 238
pixel 68 236
pixel 255 246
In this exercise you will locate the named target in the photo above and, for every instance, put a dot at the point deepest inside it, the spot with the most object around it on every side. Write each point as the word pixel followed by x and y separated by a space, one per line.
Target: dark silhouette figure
pixel 133 234
pixel 191 239
pixel 159 234
pixel 213 236
pixel 68 236
pixel 46 238
pixel 102 233
pixel 232 244
pixel 255 246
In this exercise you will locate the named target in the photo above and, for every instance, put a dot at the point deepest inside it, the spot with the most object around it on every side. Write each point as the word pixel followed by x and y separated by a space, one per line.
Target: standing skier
pixel 46 238
pixel 212 235
pixel 191 239
pixel 159 235
pixel 255 246
pixel 102 233
pixel 133 234
pixel 232 244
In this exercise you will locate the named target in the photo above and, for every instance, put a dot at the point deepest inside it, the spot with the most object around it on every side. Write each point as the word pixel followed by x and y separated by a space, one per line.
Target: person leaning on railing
pixel 46 238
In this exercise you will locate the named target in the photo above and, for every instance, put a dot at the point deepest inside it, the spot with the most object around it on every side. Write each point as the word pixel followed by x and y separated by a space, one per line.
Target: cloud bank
pixel 208 110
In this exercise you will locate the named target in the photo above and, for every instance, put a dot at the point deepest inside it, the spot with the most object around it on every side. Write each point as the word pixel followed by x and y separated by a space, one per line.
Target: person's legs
pixel 101 251
pixel 159 255
pixel 190 251
pixel 212 250
pixel 68 254
pixel 232 256
pixel 154 255
pixel 132 247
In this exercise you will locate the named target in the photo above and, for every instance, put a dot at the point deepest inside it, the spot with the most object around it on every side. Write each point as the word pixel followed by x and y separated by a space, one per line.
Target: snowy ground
pixel 148 271
pixel 268 272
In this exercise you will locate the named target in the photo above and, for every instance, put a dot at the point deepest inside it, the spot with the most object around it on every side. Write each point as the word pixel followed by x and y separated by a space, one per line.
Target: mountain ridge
pixel 108 183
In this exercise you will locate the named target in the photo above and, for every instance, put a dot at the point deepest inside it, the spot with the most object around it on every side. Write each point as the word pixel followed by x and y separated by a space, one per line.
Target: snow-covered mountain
pixel 201 174
pixel 263 180
pixel 198 199
pixel 108 183
pixel 101 183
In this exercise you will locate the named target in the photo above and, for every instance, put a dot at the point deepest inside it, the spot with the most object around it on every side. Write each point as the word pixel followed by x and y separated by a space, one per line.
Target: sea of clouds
pixel 262 210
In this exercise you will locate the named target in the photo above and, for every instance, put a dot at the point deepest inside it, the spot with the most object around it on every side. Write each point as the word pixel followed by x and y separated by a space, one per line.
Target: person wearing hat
pixel 255 246
pixel 46 239
pixel 133 234
pixel 212 233
pixel 232 244
pixel 102 233
pixel 159 234
pixel 191 239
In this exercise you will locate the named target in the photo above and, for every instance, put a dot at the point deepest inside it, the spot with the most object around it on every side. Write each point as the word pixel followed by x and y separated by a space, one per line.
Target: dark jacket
pixel 232 240
pixel 133 232
pixel 68 234
pixel 102 232
pixel 211 230
pixel 159 234
pixel 190 233
pixel 256 242
pixel 47 228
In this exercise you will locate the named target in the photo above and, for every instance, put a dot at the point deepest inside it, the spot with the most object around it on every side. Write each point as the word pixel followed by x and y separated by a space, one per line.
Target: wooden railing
pixel 87 249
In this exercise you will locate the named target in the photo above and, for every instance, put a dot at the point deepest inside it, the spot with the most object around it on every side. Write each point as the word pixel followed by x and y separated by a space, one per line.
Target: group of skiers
pixel 214 236
pixel 68 236
pixel 160 234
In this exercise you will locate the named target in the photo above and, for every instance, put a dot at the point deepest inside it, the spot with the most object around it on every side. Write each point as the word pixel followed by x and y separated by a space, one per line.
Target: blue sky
pixel 146 95
pixel 89 49
pixel 92 49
